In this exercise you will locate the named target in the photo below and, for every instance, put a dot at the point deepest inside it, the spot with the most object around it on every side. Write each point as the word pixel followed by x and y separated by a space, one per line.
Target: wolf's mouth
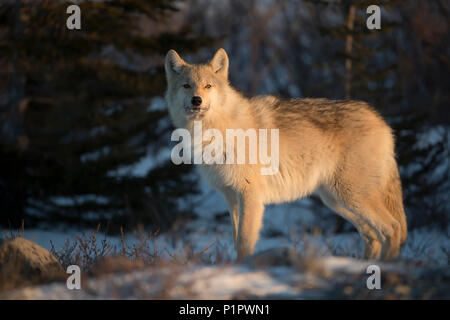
pixel 196 110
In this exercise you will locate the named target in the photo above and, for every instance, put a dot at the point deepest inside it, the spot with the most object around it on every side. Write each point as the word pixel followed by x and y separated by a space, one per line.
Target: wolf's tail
pixel 393 200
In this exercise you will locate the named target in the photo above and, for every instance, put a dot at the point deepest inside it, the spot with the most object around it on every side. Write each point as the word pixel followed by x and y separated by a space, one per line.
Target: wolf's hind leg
pixel 391 230
pixel 372 211
pixel 232 200
pixel 393 201
pixel 251 210
pixel 372 245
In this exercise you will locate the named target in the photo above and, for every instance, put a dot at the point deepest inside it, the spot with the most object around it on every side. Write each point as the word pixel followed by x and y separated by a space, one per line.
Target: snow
pixel 224 282
pixel 233 281
pixel 422 245
pixel 282 227
pixel 219 277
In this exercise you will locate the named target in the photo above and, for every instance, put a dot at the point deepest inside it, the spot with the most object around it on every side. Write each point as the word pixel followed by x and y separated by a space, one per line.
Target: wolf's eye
pixel 186 86
pixel 208 86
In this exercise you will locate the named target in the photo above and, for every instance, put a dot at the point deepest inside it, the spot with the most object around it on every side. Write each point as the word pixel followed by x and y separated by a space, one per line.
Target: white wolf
pixel 342 151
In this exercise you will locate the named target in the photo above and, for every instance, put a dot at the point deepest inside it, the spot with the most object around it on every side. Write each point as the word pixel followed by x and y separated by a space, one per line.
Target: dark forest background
pixel 79 109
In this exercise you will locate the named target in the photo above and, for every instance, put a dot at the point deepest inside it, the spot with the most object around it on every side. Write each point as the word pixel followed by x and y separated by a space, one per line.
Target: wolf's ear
pixel 220 63
pixel 173 63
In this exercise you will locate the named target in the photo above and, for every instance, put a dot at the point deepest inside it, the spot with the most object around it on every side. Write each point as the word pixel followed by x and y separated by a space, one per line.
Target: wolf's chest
pixel 216 176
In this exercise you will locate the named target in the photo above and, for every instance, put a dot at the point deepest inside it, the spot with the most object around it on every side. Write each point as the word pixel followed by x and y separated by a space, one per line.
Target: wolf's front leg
pixel 251 209
pixel 232 200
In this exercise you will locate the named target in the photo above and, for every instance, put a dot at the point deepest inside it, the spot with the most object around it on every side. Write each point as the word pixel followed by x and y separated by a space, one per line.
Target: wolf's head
pixel 193 90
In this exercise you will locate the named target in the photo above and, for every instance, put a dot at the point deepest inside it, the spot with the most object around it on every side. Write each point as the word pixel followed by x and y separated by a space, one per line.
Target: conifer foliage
pixel 76 112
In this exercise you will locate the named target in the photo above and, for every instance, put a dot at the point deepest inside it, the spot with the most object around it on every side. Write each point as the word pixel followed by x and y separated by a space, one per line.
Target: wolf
pixel 340 150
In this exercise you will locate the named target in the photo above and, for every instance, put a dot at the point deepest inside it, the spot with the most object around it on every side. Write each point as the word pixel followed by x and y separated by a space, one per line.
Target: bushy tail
pixel 393 199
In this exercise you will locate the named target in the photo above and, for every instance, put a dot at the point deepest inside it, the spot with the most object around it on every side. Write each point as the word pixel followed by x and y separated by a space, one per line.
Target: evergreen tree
pixel 76 112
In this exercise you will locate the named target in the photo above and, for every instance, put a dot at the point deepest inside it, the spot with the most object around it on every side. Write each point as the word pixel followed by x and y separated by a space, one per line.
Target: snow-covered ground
pixel 283 225
pixel 216 282
pixel 271 274
pixel 422 245
pixel 337 270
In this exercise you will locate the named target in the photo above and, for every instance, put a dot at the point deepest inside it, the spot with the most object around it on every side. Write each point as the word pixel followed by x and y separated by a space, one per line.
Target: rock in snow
pixel 23 262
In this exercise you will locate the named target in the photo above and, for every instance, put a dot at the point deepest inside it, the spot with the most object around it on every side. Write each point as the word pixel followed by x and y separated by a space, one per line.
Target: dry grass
pixel 98 257
pixel 88 250
pixel 14 233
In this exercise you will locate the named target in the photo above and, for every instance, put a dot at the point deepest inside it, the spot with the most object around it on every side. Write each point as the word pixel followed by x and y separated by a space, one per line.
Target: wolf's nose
pixel 196 101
